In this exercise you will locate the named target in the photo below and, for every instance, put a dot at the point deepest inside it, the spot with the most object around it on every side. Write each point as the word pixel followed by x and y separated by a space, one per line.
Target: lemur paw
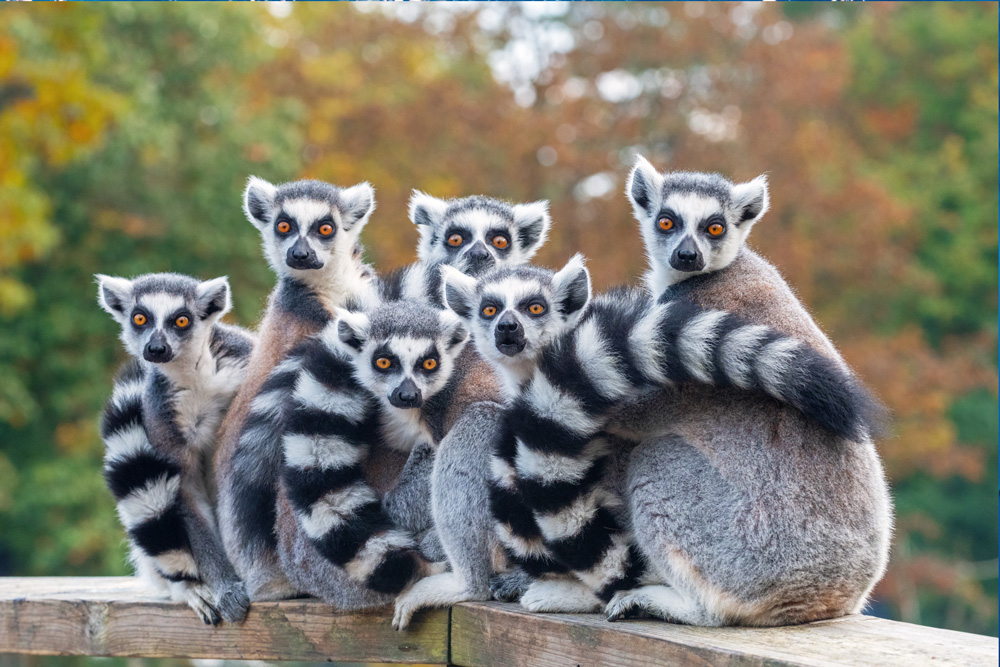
pixel 198 597
pixel 232 601
pixel 509 586
pixel 566 596
pixel 441 590
pixel 636 603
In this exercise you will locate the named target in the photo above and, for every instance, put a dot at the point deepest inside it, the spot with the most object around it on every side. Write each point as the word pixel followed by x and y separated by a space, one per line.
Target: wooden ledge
pixel 116 616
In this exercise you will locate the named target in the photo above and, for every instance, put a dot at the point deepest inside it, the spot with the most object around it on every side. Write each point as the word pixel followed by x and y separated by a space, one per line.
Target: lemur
pixel 309 232
pixel 160 428
pixel 582 363
pixel 453 233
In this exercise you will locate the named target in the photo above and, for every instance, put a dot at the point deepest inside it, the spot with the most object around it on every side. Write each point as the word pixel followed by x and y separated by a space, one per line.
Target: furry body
pixel 160 428
pixel 309 233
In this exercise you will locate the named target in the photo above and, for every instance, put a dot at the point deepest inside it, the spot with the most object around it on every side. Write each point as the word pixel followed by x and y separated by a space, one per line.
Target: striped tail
pixel 623 347
pixel 331 425
pixel 145 482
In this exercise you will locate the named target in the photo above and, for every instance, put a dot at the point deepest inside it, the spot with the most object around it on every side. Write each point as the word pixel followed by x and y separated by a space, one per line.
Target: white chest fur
pixel 403 429
pixel 207 389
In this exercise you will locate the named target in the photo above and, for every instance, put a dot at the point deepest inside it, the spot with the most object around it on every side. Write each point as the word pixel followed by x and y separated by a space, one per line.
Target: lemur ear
pixel 212 297
pixel 458 291
pixel 571 287
pixel 114 295
pixel 426 211
pixel 454 335
pixel 644 187
pixel 258 201
pixel 356 205
pixel 751 200
pixel 352 329
pixel 532 222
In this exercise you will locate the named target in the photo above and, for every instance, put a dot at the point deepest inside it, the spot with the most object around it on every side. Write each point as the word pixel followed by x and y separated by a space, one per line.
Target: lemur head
pixel 403 353
pixel 164 316
pixel 309 228
pixel 475 234
pixel 514 311
pixel 692 222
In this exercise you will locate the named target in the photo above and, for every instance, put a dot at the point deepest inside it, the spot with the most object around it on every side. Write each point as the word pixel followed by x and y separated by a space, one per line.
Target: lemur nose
pixel 478 252
pixel 687 255
pixel 156 349
pixel 299 253
pixel 507 326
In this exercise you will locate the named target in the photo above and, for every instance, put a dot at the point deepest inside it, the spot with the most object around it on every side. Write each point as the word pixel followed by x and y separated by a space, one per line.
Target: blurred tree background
pixel 127 132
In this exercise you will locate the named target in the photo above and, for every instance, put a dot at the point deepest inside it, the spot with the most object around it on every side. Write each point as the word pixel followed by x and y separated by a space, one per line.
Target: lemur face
pixel 307 226
pixel 692 222
pixel 475 234
pixel 165 317
pixel 513 312
pixel 403 353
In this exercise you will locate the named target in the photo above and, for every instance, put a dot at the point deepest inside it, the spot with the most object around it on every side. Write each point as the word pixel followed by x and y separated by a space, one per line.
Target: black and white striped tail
pixel 618 350
pixel 146 483
pixel 331 424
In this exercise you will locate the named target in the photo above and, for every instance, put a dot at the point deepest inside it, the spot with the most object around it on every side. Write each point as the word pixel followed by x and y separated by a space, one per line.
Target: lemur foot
pixel 440 590
pixel 232 601
pixel 199 597
pixel 560 595
pixel 656 601
pixel 509 586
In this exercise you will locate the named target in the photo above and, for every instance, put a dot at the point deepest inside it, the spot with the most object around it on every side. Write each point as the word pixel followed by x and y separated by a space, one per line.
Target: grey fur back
pixel 746 505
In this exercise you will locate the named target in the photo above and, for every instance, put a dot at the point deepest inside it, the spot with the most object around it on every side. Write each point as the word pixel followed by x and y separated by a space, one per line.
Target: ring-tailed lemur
pixel 750 513
pixel 160 428
pixel 309 232
pixel 453 232
pixel 581 363
pixel 403 357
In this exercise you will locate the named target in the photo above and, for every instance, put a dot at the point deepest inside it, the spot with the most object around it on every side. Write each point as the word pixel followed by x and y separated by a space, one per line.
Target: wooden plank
pixel 116 616
pixel 488 634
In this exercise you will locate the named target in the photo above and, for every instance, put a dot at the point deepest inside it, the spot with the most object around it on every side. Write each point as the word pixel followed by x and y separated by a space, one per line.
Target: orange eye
pixel 182 322
pixel 536 309
pixel 666 224
pixel 455 240
pixel 284 227
pixel 500 241
pixel 430 364
pixel 325 230
pixel 489 311
pixel 716 229
pixel 383 362
pixel 138 319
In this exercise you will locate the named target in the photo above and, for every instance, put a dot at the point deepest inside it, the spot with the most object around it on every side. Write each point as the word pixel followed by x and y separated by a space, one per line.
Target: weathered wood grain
pixel 494 634
pixel 116 616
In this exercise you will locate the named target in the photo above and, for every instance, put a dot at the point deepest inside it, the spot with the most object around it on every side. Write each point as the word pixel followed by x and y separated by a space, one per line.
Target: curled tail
pixel 678 341
pixel 330 427
pixel 145 482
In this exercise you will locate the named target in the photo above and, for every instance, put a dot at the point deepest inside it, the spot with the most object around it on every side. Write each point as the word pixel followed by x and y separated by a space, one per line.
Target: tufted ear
pixel 258 201
pixel 356 204
pixel 751 200
pixel 644 187
pixel 114 295
pixel 352 330
pixel 212 298
pixel 532 222
pixel 425 210
pixel 571 287
pixel 458 291
pixel 454 334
